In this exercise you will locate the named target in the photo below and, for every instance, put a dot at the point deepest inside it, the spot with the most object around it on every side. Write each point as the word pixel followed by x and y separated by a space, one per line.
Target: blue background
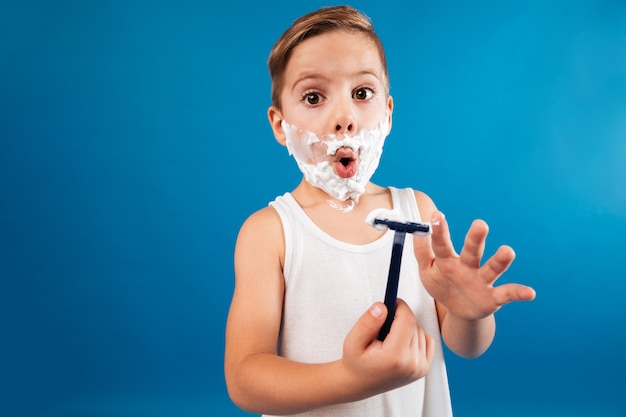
pixel 134 143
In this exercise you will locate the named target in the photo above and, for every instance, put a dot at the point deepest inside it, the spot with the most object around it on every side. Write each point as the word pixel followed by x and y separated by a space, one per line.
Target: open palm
pixel 459 282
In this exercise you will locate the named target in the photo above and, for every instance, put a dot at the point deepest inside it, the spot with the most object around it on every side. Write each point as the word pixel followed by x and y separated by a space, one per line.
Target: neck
pixel 349 227
pixel 310 196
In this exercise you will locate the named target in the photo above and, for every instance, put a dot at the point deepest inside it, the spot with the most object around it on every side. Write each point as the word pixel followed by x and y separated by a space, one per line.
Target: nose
pixel 344 126
pixel 344 119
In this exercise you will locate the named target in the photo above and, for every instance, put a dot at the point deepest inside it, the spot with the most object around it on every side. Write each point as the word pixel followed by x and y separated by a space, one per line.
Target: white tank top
pixel 329 284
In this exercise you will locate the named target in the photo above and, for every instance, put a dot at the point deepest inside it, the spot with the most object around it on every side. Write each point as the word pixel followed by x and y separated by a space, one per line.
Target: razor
pixel 390 220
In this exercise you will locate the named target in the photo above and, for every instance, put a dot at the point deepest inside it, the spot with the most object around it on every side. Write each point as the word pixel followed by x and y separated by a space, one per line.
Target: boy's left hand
pixel 460 283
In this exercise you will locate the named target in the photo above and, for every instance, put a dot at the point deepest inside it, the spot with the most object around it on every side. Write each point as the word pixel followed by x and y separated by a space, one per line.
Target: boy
pixel 302 331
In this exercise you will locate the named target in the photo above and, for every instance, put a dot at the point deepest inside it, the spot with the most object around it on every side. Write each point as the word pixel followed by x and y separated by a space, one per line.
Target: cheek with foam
pixel 304 145
pixel 322 160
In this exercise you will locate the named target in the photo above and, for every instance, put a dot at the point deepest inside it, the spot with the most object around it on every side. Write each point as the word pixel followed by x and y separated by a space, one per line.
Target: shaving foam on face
pixel 315 158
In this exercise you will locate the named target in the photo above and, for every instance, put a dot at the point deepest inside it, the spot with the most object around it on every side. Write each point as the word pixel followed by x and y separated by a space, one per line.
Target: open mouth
pixel 345 163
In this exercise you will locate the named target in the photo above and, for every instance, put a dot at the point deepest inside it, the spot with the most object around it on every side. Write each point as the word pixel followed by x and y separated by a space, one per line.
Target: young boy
pixel 302 332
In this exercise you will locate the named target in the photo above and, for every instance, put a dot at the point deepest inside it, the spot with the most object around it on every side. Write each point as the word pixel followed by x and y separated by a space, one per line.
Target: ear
pixel 390 110
pixel 275 117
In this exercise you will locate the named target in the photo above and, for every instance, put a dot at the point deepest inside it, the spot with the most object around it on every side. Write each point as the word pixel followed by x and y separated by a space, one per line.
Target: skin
pixel 334 84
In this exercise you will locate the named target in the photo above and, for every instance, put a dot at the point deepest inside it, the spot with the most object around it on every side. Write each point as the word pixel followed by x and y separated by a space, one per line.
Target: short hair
pixel 323 20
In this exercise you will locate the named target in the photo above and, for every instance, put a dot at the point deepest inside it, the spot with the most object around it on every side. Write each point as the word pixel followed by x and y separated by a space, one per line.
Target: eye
pixel 363 94
pixel 312 98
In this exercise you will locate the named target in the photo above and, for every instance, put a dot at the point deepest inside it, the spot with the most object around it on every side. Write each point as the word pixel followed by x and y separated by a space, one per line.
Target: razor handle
pixel 391 292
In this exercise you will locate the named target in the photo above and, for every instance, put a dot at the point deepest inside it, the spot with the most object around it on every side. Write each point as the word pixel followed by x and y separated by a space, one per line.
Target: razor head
pixel 384 219
pixel 416 228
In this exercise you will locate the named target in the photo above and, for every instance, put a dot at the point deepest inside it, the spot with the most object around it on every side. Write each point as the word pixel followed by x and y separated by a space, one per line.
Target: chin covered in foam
pixel 340 167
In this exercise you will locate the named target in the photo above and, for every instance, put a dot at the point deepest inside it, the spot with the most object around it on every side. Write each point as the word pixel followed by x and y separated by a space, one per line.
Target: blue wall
pixel 129 135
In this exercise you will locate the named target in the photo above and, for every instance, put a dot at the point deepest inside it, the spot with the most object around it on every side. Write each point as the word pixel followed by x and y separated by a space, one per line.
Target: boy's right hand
pixel 404 356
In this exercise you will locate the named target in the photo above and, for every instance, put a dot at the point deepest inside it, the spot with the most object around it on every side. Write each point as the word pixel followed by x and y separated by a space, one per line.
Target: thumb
pixel 423 250
pixel 424 246
pixel 367 327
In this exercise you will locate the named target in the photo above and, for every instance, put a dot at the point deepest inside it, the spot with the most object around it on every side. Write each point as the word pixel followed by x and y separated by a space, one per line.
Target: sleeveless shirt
pixel 329 284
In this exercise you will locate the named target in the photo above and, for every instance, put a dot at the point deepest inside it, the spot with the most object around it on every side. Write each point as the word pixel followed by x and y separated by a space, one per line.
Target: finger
pixel 425 343
pixel 507 293
pixel 423 250
pixel 474 245
pixel 418 342
pixel 401 331
pixel 498 263
pixel 367 327
pixel 441 241
pixel 429 348
pixel 424 350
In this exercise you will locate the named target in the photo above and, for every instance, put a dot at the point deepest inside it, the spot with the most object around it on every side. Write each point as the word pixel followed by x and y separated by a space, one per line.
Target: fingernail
pixel 376 311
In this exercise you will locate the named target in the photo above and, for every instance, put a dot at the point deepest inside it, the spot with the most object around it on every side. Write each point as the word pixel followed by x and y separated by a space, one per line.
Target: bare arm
pixel 463 289
pixel 260 381
pixel 466 338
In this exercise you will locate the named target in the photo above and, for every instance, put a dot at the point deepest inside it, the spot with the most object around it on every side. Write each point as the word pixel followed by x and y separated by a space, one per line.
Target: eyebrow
pixel 312 75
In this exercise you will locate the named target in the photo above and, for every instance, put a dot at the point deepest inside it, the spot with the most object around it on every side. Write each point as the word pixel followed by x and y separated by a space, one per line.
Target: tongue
pixel 345 168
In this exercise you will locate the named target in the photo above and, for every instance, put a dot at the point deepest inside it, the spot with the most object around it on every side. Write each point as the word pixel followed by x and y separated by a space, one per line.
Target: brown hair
pixel 323 20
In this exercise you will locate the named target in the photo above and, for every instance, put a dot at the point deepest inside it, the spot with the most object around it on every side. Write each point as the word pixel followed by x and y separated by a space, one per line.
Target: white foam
pixel 314 155
pixel 384 214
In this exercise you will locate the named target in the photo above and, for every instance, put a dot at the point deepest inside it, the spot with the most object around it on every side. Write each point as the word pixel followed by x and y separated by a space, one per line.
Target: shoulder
pixel 264 224
pixel 266 219
pixel 261 234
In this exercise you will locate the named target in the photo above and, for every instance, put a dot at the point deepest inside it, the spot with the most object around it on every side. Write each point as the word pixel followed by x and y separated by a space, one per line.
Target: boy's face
pixel 335 91
pixel 334 83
